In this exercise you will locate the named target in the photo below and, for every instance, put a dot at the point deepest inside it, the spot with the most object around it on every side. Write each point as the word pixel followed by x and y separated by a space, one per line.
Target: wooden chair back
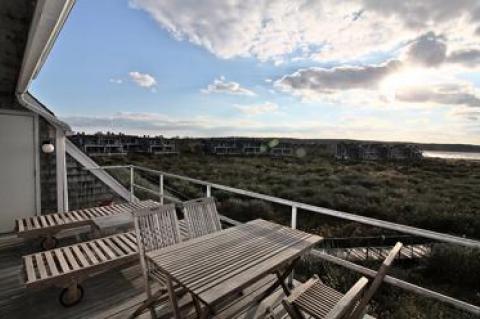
pixel 377 281
pixel 201 217
pixel 155 227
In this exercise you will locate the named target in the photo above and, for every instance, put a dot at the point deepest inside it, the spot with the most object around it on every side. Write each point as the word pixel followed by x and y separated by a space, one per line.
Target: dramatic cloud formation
pixel 467 57
pixel 445 95
pixel 143 79
pixel 273 29
pixel 222 86
pixel 427 50
pixel 312 81
pixel 425 13
pixel 255 109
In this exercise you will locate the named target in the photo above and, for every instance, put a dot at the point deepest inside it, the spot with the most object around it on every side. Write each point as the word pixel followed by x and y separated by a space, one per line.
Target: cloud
pixel 279 30
pixel 441 94
pixel 428 50
pixel 143 79
pixel 314 80
pixel 115 81
pixel 467 57
pixel 256 109
pixel 358 127
pixel 467 113
pixel 423 14
pixel 222 86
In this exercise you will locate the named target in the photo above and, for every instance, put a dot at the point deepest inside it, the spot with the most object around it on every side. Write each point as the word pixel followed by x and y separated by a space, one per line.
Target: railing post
pixel 132 182
pixel 161 188
pixel 209 190
pixel 294 226
pixel 294 217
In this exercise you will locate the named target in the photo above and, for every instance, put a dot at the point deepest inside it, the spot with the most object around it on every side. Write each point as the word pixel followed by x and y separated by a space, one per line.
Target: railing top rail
pixel 321 210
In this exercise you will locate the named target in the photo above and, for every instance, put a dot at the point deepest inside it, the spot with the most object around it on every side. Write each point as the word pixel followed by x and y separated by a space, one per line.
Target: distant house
pixel 376 151
pixel 248 146
pixel 120 144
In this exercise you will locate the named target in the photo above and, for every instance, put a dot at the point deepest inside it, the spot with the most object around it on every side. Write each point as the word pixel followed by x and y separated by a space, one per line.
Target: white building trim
pixel 48 19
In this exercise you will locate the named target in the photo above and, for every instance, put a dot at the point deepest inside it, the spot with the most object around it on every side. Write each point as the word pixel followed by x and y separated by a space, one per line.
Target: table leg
pixel 279 282
pixel 206 313
pixel 173 299
pixel 198 307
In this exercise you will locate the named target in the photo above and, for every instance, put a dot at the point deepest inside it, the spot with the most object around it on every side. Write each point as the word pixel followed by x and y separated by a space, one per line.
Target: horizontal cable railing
pixel 441 237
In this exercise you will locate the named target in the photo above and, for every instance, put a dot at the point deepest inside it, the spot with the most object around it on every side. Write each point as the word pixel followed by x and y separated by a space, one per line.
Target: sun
pixel 407 78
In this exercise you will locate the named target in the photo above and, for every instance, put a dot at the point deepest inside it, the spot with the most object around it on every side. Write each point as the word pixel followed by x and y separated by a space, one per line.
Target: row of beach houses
pixel 122 144
pixel 107 144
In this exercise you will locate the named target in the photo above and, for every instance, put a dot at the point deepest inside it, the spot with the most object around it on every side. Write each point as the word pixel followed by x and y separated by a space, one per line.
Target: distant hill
pixel 422 146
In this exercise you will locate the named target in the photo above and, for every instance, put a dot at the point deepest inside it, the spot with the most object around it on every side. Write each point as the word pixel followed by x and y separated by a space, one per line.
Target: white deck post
pixel 161 187
pixel 132 181
pixel 294 226
pixel 61 162
pixel 209 191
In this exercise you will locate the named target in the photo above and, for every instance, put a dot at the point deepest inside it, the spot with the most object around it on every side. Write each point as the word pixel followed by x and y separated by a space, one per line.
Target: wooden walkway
pixel 378 253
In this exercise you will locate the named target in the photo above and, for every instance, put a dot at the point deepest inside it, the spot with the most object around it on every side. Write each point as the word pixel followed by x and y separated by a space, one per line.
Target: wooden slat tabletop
pixel 216 265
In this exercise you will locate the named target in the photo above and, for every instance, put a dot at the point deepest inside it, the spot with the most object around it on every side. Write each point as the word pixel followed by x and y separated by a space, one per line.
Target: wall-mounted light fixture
pixel 48 147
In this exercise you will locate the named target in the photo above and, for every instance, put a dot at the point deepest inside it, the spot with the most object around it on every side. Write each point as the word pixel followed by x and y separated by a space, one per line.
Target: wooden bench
pixel 67 267
pixel 46 226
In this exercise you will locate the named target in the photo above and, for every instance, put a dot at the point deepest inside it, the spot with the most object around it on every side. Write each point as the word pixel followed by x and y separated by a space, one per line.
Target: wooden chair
pixel 155 228
pixel 323 302
pixel 201 217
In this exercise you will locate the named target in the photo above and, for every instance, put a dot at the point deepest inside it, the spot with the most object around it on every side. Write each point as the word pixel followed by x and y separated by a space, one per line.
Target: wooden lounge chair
pixel 201 217
pixel 155 228
pixel 323 302
pixel 46 226
pixel 68 266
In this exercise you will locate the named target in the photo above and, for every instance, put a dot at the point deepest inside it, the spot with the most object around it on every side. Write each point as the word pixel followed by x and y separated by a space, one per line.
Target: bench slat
pixel 73 262
pixel 57 219
pixel 50 219
pixel 28 223
pixel 80 256
pixel 35 222
pixel 98 252
pixel 41 266
pixel 51 263
pixel 113 246
pixel 43 221
pixel 122 245
pixel 20 225
pixel 30 270
pixel 90 253
pixel 104 247
pixel 61 259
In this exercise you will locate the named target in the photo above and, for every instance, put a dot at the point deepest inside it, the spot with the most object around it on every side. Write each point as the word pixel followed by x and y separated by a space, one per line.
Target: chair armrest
pixel 348 300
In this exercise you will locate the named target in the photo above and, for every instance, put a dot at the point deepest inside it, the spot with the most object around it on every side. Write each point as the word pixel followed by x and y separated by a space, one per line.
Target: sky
pixel 359 69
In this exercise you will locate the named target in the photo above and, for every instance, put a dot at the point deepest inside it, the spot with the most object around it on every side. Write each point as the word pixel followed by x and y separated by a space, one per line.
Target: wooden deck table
pixel 217 267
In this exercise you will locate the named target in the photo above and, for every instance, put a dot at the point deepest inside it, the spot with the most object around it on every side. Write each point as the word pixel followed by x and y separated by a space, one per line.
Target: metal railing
pixel 295 206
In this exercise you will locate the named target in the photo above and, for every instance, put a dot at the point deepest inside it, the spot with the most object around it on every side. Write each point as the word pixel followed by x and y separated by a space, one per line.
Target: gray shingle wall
pixel 86 190
pixel 48 179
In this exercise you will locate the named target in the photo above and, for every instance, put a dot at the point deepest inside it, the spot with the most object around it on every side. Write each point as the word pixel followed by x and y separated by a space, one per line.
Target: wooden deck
pixel 114 294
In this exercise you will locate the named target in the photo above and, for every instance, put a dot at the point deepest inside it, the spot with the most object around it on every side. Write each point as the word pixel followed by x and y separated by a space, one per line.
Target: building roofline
pixel 48 19
pixel 31 103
